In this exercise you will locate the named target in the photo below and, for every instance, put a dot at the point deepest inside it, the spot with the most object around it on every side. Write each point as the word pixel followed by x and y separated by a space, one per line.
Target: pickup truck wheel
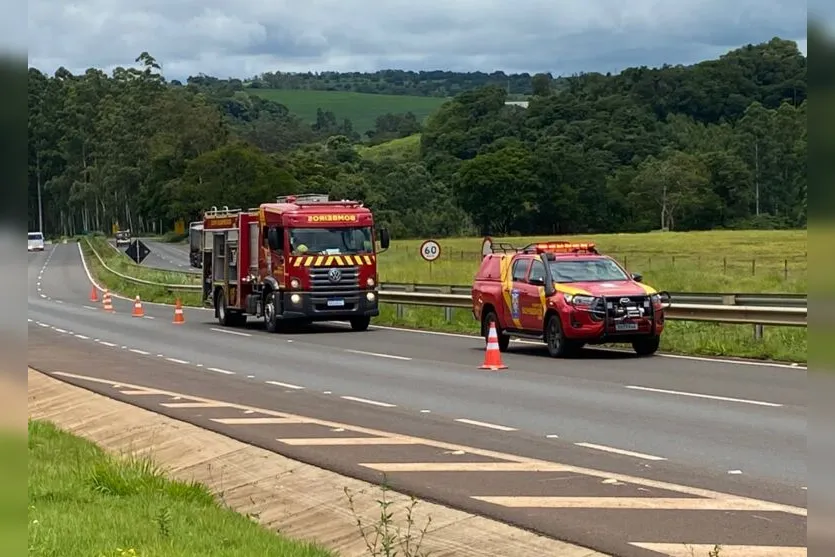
pixel 558 345
pixel 646 346
pixel 490 317
pixel 360 323
pixel 270 313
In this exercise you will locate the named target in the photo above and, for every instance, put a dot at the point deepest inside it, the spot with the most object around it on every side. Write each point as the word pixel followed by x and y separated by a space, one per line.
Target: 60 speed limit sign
pixel 430 250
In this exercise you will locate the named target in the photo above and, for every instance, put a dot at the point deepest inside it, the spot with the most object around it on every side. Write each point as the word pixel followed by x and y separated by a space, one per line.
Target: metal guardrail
pixel 135 280
pixel 752 309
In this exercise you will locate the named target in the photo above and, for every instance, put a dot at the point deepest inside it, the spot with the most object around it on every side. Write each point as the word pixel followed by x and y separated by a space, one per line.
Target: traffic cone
pixel 493 356
pixel 137 308
pixel 108 304
pixel 179 318
pixel 94 293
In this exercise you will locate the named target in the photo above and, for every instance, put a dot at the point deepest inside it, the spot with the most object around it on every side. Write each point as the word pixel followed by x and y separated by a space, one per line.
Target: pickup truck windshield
pixel 587 270
pixel 331 241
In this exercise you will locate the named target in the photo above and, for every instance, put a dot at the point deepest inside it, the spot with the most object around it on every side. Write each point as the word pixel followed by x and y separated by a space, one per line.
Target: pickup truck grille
pixel 320 280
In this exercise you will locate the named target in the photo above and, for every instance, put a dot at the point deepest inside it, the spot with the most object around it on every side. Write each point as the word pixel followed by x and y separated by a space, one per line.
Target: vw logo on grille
pixel 334 275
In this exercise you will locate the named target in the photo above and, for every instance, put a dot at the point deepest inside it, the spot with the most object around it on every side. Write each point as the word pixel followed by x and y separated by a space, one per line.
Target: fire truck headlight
pixel 370 296
pixel 295 283
pixel 295 299
pixel 370 282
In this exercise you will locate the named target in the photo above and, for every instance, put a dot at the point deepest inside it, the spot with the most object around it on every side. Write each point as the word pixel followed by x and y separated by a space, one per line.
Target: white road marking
pixel 552 436
pixel 791 366
pixel 285 385
pixel 137 351
pixel 367 401
pixel 223 371
pixel 697 395
pixel 60 330
pixel 378 355
pixel 735 472
pixel 82 337
pixel 224 331
pixel 110 344
pixel 90 307
pixel 425 411
pixel 176 361
pixel 485 424
pixel 619 451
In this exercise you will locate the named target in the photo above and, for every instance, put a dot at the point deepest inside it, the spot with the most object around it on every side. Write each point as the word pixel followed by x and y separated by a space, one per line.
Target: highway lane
pixel 583 401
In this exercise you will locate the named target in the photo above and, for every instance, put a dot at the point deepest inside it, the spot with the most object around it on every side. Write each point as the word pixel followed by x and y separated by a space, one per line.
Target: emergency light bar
pixel 563 247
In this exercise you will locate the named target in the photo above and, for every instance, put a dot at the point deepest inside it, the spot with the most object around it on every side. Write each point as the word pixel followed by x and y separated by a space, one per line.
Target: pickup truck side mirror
pixel 637 277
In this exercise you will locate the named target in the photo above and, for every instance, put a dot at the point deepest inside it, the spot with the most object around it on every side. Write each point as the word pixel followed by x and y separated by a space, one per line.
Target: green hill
pixel 403 149
pixel 361 108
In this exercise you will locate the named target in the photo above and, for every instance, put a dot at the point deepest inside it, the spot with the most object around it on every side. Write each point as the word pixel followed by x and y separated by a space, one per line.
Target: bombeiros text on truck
pixel 301 259
pixel 566 294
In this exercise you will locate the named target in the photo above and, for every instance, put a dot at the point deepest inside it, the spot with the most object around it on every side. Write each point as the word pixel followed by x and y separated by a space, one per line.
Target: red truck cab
pixel 567 295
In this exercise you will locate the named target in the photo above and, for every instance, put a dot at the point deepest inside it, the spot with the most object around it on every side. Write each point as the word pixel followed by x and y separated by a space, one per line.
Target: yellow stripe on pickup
pixel 332 260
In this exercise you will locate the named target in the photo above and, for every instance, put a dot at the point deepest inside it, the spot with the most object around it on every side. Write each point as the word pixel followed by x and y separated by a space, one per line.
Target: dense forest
pixel 717 144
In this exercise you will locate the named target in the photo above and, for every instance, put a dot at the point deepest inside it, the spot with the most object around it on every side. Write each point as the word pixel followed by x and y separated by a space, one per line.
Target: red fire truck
pixel 301 259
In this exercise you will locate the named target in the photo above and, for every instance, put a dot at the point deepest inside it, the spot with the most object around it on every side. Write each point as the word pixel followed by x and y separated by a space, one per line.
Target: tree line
pixel 717 144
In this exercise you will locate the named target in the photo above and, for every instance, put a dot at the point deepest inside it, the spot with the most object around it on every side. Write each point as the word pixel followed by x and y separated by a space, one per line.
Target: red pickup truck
pixel 567 295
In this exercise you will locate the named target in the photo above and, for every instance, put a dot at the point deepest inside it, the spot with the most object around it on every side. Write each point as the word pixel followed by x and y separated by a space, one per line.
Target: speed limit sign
pixel 430 250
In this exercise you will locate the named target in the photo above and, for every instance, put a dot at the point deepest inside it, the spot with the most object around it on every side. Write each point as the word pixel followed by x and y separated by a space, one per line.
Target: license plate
pixel 336 303
pixel 626 326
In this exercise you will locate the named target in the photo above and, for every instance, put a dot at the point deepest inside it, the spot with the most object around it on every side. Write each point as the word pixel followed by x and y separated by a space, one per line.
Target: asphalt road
pixel 171 257
pixel 731 428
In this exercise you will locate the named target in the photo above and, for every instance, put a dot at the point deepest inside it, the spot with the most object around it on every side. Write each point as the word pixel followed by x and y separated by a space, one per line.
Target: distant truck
pixel 301 259
pixel 567 295
pixel 36 242
pixel 195 244
pixel 123 238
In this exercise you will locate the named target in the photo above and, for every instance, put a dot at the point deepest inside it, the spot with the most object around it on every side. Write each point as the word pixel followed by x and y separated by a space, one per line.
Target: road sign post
pixel 137 251
pixel 430 250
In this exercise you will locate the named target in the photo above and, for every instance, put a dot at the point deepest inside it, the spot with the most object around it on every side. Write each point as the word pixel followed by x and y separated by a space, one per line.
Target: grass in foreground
pixel 714 261
pixel 83 501
pixel 361 108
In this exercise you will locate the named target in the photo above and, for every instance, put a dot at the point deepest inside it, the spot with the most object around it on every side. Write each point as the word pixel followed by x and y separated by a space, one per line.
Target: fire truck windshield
pixel 586 270
pixel 331 241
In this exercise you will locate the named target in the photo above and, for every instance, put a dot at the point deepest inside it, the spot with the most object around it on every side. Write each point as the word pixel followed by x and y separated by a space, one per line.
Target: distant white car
pixel 36 241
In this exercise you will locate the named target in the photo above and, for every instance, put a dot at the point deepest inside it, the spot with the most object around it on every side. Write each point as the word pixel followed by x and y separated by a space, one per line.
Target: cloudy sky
pixel 247 37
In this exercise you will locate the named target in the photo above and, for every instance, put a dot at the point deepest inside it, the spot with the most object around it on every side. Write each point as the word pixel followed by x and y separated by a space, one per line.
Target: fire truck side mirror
pixel 385 239
pixel 274 238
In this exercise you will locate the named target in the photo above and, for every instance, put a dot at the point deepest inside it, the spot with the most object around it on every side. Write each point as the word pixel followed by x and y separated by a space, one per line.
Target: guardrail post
pixel 399 309
pixel 447 309
pixel 758 331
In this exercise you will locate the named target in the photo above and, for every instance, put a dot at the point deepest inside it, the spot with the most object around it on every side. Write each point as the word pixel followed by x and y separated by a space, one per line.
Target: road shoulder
pixel 299 500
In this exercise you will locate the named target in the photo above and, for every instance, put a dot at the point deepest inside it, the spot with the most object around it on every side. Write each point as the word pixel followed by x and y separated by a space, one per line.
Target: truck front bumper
pixel 327 306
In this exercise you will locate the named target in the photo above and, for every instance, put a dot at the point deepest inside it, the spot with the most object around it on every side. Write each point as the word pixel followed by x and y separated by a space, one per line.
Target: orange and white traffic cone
pixel 94 293
pixel 493 356
pixel 179 318
pixel 137 308
pixel 108 304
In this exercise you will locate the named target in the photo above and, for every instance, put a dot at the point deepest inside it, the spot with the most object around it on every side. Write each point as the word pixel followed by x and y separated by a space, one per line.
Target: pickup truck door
pixel 532 292
pixel 514 293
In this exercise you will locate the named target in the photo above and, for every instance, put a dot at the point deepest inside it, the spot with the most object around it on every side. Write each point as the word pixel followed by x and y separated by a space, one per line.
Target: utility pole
pixel 40 200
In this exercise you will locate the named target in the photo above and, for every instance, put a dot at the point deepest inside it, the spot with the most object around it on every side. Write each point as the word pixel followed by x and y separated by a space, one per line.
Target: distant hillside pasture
pixel 403 149
pixel 361 108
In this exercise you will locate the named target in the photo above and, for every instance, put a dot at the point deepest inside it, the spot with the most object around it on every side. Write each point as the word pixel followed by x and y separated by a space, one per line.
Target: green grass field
pixel 361 108
pixel 714 261
pixel 696 269
pixel 403 149
pixel 83 501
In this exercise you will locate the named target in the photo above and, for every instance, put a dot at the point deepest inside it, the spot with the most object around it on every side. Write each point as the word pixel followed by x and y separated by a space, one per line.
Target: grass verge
pixel 83 501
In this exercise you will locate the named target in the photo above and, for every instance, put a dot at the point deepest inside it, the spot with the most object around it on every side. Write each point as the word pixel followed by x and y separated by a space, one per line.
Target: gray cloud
pixel 242 39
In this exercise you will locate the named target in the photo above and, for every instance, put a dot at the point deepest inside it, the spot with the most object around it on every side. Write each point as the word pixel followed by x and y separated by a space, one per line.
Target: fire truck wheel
pixel 360 323
pixel 646 346
pixel 270 312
